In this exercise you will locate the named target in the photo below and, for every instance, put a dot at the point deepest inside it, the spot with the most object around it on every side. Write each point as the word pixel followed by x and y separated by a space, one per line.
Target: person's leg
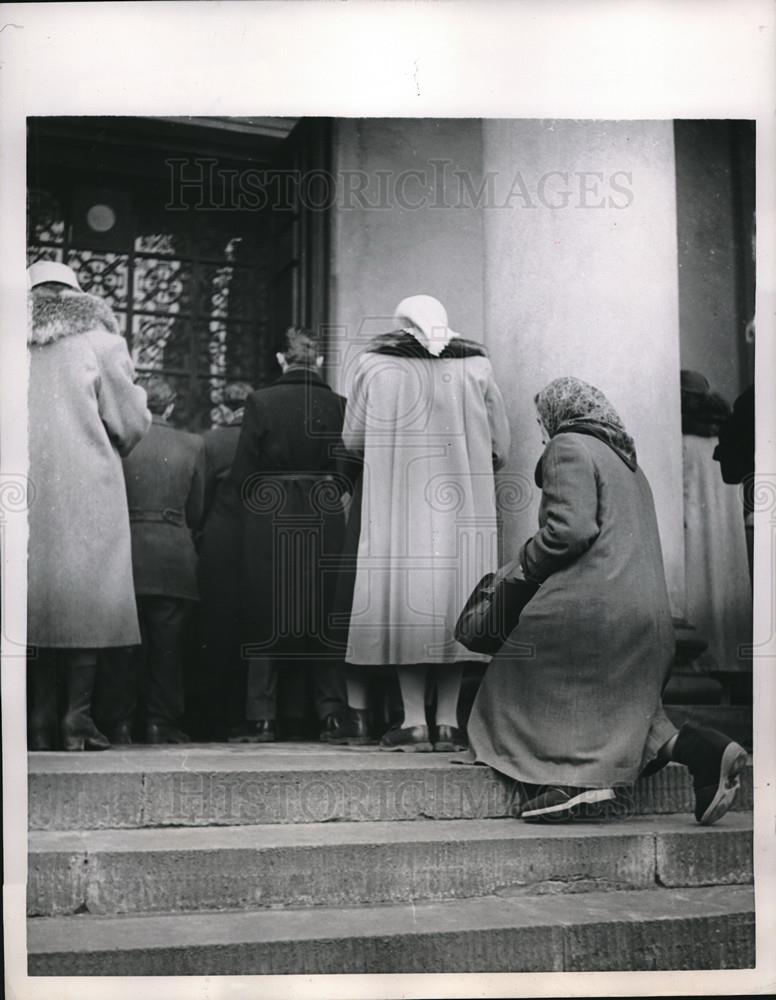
pixel 78 729
pixel 660 743
pixel 261 698
pixel 357 686
pixel 165 618
pixel 413 734
pixel 448 684
pixel 412 684
pixel 713 759
pixel 293 680
pixel 115 696
pixel 448 737
pixel 354 726
pixel 42 716
pixel 329 689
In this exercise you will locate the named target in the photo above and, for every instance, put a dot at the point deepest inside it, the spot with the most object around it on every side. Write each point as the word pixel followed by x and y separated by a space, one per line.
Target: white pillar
pixel 581 279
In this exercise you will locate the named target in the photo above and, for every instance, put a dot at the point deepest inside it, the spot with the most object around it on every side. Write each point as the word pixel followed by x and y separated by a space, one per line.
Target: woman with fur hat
pixel 85 413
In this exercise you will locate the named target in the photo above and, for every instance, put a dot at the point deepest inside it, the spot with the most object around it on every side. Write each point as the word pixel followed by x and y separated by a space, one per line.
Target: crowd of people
pixel 323 539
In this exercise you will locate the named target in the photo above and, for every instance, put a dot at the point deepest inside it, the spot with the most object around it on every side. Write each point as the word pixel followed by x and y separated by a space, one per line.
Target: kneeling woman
pixel 572 702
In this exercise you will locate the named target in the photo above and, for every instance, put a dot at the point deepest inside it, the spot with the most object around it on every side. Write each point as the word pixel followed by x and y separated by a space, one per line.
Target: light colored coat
pixel 431 430
pixel 570 697
pixel 84 414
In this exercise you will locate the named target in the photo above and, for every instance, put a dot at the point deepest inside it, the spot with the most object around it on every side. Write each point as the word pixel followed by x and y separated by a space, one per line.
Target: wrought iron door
pixel 190 288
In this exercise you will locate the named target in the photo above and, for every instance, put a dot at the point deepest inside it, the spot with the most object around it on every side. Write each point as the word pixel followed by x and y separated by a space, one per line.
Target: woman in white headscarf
pixel 428 420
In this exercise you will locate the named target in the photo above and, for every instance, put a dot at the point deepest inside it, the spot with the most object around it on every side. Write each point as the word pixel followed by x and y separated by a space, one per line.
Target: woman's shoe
pixel 450 739
pixel 715 763
pixel 354 730
pixel 411 739
pixel 559 804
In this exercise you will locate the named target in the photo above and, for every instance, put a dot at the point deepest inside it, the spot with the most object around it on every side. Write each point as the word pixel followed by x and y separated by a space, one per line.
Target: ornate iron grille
pixel 190 294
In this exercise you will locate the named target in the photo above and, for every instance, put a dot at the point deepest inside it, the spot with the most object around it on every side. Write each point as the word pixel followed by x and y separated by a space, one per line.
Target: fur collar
pixel 68 314
pixel 402 344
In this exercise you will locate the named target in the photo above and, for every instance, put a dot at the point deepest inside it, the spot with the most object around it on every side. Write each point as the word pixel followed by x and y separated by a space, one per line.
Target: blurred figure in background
pixel 735 455
pixel 221 441
pixel 719 603
pixel 165 478
pixel 85 413
pixel 223 677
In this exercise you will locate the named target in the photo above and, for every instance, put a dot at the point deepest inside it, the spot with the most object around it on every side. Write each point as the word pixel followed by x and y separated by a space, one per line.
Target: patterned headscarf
pixel 569 404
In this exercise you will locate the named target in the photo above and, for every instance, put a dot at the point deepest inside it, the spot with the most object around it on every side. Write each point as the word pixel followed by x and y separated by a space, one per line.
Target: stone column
pixel 581 279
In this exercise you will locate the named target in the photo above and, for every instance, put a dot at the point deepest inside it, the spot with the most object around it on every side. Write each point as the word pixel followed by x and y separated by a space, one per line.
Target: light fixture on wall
pixel 101 219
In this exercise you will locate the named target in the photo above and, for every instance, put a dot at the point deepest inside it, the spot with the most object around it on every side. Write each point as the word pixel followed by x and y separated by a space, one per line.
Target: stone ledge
pixel 650 930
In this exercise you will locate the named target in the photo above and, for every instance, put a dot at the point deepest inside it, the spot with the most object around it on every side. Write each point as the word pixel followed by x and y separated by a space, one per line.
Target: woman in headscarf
pixel 427 418
pixel 572 703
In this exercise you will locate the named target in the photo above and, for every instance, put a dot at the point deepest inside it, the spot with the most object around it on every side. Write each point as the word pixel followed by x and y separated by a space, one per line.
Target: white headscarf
pixel 427 314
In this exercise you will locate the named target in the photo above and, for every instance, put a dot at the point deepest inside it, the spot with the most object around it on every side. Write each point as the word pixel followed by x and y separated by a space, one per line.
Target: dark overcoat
pixel 165 480
pixel 220 448
pixel 275 532
pixel 570 698
pixel 85 412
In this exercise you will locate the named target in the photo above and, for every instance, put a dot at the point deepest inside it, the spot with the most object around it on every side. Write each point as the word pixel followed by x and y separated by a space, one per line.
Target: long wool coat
pixel 84 414
pixel 570 697
pixel 430 430
pixel 165 477
pixel 272 542
pixel 716 572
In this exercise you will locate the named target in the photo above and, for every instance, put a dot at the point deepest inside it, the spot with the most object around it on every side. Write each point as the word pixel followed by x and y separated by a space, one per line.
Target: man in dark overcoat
pixel 165 491
pixel 287 495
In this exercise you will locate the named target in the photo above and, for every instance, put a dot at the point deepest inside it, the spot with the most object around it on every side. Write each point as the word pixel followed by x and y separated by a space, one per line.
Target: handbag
pixel 492 612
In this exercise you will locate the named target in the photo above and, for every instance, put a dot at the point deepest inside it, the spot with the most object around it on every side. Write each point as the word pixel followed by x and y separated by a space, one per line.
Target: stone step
pixel 675 929
pixel 342 864
pixel 206 785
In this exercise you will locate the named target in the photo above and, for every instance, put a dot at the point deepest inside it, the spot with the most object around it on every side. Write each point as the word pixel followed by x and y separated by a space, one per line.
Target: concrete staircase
pixel 307 859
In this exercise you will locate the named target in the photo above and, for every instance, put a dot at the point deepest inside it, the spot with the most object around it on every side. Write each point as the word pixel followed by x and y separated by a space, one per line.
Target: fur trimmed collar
pixel 65 315
pixel 401 344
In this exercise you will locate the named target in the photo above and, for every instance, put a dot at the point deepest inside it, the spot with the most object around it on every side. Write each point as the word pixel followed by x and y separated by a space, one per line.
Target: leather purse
pixel 492 612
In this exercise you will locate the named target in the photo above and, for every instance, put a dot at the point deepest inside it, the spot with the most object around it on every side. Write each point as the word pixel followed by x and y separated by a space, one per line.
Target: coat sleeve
pixel 250 446
pixel 354 425
pixel 568 515
pixel 500 434
pixel 121 403
pixel 195 504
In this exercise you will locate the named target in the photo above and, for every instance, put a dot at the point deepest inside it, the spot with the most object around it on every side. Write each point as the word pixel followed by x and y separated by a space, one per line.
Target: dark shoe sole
pixel 74 744
pixel 422 747
pixel 449 748
pixel 352 741
pixel 734 761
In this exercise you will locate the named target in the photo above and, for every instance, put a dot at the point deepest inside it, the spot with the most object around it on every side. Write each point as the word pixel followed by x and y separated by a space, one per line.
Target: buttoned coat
pixel 165 479
pixel 85 412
